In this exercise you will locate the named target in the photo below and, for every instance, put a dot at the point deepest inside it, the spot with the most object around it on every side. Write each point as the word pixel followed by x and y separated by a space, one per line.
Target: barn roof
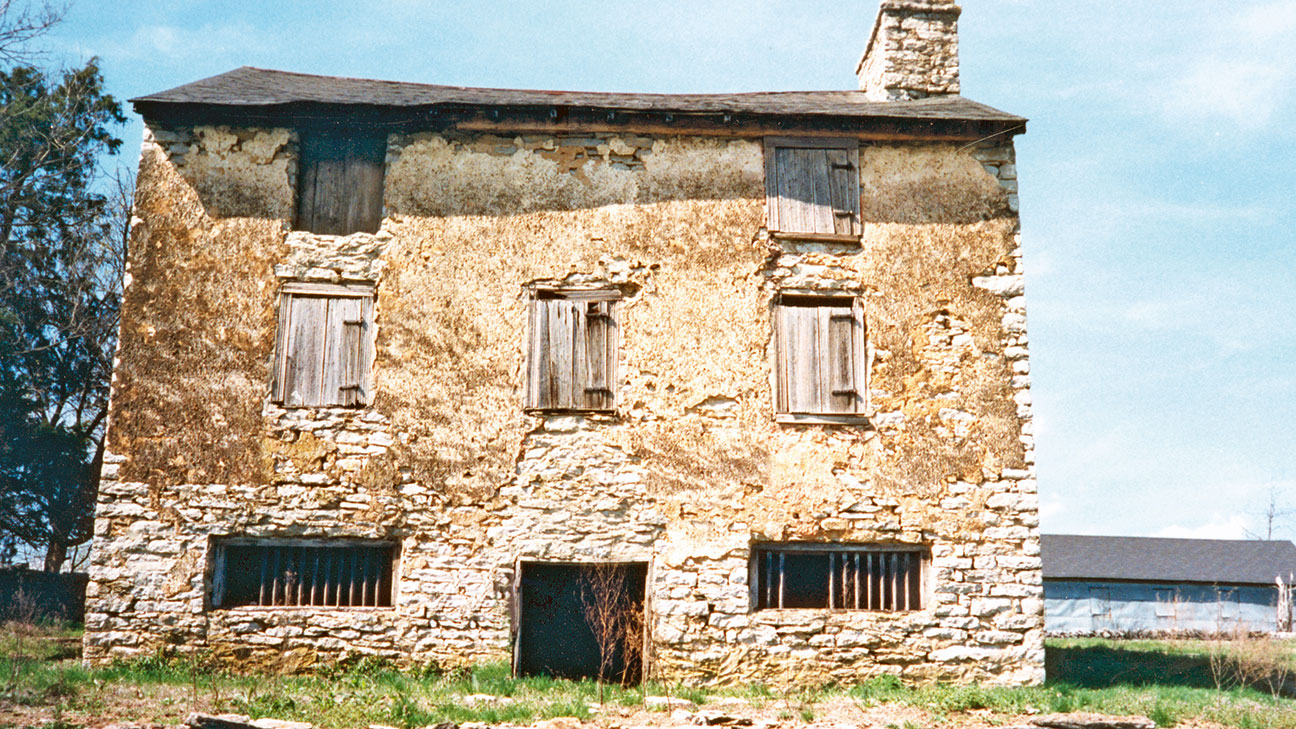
pixel 267 91
pixel 1155 559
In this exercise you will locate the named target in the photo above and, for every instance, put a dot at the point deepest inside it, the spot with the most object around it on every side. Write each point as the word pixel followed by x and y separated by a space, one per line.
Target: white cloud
pixel 1220 526
pixel 174 43
pixel 1242 73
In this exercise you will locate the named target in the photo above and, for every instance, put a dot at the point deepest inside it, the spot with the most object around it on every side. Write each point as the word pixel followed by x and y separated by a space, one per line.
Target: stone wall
pixel 913 51
pixel 687 475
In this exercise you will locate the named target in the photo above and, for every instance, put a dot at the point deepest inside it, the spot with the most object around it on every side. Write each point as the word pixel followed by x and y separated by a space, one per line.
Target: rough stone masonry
pixel 485 200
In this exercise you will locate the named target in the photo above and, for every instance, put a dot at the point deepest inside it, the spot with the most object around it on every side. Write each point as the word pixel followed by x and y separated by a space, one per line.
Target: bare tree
pixel 1272 515
pixel 22 22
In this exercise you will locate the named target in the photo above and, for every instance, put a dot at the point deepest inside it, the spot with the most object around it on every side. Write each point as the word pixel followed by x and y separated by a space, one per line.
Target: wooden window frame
pixel 825 349
pixel 598 383
pixel 381 591
pixel 357 361
pixel 848 212
pixel 341 174
pixel 845 591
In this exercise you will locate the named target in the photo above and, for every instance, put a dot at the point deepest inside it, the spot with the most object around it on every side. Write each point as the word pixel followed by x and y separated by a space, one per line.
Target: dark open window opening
pixel 340 181
pixel 812 188
pixel 572 351
pixel 839 577
pixel 323 346
pixel 296 574
pixel 555 630
pixel 820 355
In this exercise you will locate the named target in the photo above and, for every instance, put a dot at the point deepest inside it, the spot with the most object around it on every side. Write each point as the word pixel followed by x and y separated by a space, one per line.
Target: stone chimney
pixel 913 52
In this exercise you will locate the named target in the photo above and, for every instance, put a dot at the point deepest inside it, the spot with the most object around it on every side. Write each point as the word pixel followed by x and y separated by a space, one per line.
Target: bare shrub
pixel 616 623
pixel 1241 657
pixel 20 624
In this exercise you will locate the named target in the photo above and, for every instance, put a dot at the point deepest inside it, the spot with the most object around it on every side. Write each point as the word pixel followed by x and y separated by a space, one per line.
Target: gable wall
pixel 688 475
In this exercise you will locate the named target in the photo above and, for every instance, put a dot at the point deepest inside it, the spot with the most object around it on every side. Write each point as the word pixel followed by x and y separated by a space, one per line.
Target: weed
pixel 407 713
pixel 1163 715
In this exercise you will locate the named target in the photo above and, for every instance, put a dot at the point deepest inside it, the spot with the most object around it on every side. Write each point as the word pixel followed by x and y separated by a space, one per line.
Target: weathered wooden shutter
pixel 798 351
pixel 843 189
pixel 600 355
pixel 819 356
pixel 304 350
pixel 572 351
pixel 323 346
pixel 345 357
pixel 340 179
pixel 812 186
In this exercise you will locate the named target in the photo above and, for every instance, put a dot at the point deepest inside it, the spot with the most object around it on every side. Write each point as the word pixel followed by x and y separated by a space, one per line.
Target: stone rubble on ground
pixel 679 717
pixel 662 703
pixel 1084 720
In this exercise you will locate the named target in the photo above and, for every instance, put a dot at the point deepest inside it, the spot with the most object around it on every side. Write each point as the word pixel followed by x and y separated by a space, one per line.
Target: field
pixel 1184 683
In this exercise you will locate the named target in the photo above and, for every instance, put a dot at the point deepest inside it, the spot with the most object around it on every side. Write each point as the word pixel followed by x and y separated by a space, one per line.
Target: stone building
pixel 402 364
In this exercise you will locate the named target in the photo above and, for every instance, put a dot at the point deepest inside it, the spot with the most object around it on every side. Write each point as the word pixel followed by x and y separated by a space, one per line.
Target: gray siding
pixel 1089 606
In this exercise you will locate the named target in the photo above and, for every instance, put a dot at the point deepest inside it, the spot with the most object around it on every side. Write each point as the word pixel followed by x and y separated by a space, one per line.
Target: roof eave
pixel 1162 581
pixel 551 118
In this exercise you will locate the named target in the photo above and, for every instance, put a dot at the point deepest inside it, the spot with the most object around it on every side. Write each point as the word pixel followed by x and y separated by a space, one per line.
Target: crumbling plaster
pixel 689 472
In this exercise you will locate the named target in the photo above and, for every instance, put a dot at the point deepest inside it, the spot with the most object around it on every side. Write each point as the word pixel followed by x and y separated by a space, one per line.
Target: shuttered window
pixel 812 187
pixel 340 182
pixel 839 577
pixel 572 352
pixel 300 574
pixel 324 345
pixel 820 355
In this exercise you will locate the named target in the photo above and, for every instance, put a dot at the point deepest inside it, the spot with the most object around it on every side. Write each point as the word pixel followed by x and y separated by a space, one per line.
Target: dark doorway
pixel 563 609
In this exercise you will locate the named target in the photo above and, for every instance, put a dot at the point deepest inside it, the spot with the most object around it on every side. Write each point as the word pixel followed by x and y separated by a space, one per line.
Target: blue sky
pixel 1158 181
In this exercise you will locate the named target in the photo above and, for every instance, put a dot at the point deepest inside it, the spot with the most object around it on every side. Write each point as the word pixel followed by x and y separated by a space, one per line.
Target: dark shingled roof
pixel 249 87
pixel 1151 559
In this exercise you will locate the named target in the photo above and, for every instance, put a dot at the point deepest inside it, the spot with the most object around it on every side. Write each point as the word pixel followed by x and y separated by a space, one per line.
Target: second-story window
pixel 324 345
pixel 819 356
pixel 572 350
pixel 340 182
pixel 812 187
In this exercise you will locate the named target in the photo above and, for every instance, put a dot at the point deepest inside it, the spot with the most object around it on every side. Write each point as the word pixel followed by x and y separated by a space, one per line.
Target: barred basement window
pixel 572 352
pixel 839 577
pixel 249 573
pixel 323 346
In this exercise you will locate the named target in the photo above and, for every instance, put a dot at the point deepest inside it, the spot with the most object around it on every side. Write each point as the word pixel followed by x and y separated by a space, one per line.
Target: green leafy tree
pixel 62 253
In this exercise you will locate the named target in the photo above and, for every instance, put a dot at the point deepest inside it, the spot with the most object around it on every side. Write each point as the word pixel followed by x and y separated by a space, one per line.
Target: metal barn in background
pixel 1142 584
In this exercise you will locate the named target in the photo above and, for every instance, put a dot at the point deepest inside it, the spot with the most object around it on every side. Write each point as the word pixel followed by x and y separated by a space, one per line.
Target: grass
pixel 43 685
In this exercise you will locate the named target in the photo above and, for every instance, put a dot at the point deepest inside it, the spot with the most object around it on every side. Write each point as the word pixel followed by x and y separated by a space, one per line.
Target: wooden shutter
pixel 571 361
pixel 340 179
pixel 600 354
pixel 304 350
pixel 812 186
pixel 798 353
pixel 346 360
pixel 820 344
pixel 323 346
pixel 843 189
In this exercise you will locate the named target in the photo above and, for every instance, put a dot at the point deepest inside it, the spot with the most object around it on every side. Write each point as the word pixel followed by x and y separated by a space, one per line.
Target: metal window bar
pixel 858 579
pixel 307 575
